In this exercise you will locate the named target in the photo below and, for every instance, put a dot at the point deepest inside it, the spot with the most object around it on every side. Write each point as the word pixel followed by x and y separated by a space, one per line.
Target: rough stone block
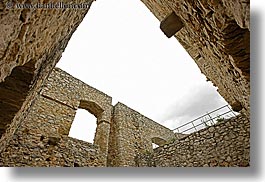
pixel 171 24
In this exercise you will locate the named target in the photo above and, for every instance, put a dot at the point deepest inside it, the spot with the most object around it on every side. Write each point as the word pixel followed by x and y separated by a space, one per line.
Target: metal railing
pixel 206 120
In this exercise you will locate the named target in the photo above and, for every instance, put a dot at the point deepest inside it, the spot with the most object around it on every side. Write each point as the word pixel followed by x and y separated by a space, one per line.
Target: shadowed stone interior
pixel 13 92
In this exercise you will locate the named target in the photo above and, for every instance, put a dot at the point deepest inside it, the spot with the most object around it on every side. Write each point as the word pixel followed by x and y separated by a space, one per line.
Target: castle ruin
pixel 38 102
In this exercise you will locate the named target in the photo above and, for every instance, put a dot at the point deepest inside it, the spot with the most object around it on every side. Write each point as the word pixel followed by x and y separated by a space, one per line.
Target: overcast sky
pixel 120 50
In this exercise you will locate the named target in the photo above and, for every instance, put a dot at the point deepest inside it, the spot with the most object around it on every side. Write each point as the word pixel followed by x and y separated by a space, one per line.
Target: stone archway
pixel 96 110
pixel 91 107
pixel 158 141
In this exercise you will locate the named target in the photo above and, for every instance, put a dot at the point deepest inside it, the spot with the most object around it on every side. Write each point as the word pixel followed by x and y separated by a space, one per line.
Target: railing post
pixel 230 110
pixel 204 122
pixel 211 120
pixel 194 126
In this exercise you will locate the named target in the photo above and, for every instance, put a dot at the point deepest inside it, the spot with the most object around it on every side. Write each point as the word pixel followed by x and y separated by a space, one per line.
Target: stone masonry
pixel 216 35
pixel 225 144
pixel 53 111
pixel 123 136
pixel 133 134
pixel 35 118
pixel 31 43
pixel 42 138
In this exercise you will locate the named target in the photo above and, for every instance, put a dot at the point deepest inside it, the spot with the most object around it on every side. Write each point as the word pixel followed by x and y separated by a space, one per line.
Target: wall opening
pixel 13 92
pixel 154 145
pixel 84 126
pixel 157 142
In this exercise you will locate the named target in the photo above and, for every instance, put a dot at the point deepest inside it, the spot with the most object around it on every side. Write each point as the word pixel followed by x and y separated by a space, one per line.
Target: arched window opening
pixel 157 142
pixel 84 126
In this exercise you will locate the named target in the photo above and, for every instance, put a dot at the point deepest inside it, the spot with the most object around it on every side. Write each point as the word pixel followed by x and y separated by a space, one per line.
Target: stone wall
pixel 48 151
pixel 133 134
pixel 216 35
pixel 225 144
pixel 32 34
pixel 62 88
pixel 42 137
pixel 124 137
pixel 31 43
pixel 51 116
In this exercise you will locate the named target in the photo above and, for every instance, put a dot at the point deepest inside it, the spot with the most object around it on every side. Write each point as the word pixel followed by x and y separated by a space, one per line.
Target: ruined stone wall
pixel 67 90
pixel 123 137
pixel 216 35
pixel 36 150
pixel 132 134
pixel 42 138
pixel 31 43
pixel 224 144
pixel 32 34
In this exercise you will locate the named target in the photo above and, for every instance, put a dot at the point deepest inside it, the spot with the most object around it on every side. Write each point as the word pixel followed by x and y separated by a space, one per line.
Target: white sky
pixel 120 50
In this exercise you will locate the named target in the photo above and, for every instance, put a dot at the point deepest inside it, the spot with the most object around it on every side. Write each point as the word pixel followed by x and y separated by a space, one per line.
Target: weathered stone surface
pixel 53 140
pixel 31 34
pixel 68 152
pixel 209 150
pixel 31 43
pixel 132 134
pixel 216 35
pixel 49 120
pixel 171 25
